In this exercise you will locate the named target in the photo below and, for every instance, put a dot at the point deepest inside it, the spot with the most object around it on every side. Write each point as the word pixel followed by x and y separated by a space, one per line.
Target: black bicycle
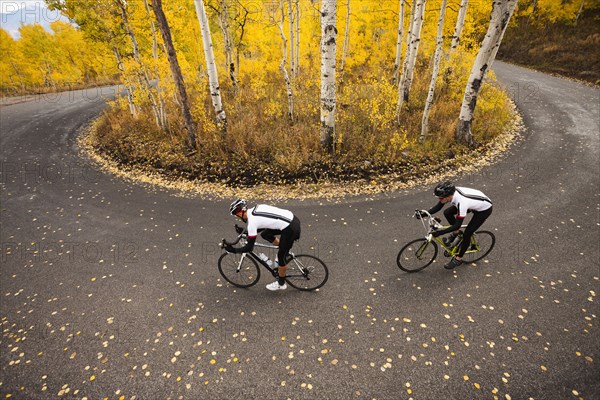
pixel 305 272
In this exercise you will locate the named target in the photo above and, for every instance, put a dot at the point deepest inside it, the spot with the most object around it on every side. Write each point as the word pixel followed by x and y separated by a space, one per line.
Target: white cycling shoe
pixel 276 286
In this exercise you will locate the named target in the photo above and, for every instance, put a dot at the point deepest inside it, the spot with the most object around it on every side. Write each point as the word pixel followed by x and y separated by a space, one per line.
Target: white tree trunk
pixel 411 58
pixel 502 10
pixel 435 71
pixel 460 23
pixel 399 42
pixel 211 66
pixel 286 77
pixel 162 110
pixel 346 40
pixel 224 25
pixel 328 89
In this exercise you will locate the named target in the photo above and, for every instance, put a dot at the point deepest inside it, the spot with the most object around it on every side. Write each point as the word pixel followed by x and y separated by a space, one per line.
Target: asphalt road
pixel 110 289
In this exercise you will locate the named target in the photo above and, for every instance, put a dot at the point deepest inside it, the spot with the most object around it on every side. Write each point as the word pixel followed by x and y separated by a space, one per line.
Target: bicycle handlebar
pixel 241 234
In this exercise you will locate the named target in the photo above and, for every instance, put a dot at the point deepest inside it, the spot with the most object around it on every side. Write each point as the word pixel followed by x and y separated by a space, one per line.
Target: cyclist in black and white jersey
pixel 463 200
pixel 270 222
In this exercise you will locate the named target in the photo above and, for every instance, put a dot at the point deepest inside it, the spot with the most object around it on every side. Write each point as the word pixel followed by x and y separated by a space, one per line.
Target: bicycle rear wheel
pixel 306 272
pixel 239 270
pixel 482 243
pixel 416 255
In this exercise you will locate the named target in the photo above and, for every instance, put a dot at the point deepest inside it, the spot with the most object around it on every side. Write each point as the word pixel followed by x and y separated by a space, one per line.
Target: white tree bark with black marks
pixel 399 42
pixel 282 66
pixel 460 23
pixel 328 88
pixel 502 10
pixel 211 66
pixel 224 25
pixel 162 109
pixel 435 71
pixel 411 58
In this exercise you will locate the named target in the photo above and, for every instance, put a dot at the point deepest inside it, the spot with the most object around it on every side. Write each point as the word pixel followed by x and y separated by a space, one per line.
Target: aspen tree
pixel 211 66
pixel 282 66
pixel 328 88
pixel 399 42
pixel 411 58
pixel 435 71
pixel 502 10
pixel 460 23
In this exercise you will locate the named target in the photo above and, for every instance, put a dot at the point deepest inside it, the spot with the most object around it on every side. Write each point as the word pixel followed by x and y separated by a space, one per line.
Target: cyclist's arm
pixel 245 249
pixel 436 208
pixel 455 227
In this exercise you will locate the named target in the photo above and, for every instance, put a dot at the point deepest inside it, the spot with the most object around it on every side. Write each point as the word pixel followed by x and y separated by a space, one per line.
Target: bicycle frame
pixel 434 224
pixel 255 256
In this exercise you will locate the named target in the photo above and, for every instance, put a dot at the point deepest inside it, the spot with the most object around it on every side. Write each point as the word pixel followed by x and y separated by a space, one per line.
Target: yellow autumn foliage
pixel 259 130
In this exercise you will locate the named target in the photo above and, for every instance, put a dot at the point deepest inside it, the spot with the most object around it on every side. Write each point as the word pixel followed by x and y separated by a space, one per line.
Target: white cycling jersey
pixel 467 199
pixel 267 217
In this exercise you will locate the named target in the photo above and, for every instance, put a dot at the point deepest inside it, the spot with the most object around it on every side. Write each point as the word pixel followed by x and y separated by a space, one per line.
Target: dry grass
pixel 263 146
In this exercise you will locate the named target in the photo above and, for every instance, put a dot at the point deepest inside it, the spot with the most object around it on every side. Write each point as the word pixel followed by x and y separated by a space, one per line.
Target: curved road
pixel 110 289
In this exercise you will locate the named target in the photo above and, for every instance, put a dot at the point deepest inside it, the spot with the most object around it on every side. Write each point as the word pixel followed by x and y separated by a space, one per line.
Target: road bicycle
pixel 305 272
pixel 420 253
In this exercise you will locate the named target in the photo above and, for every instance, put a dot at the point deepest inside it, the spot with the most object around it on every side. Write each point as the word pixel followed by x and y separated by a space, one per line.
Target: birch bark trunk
pixel 162 109
pixel 399 43
pixel 502 11
pixel 406 80
pixel 211 66
pixel 460 23
pixel 224 25
pixel 286 77
pixel 328 88
pixel 435 71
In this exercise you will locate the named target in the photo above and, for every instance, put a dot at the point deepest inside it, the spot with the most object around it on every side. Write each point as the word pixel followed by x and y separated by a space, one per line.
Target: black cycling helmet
pixel 444 189
pixel 236 206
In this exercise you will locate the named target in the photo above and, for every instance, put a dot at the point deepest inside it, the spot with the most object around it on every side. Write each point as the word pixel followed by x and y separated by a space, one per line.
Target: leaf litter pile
pixel 323 180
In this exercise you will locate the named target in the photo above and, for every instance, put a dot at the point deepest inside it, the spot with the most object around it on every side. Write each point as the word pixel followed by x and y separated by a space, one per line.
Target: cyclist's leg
pixel 475 223
pixel 450 214
pixel 288 236
pixel 269 236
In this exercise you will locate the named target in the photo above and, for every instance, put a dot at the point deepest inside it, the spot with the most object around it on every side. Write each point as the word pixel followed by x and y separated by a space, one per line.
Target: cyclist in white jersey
pixel 463 200
pixel 270 222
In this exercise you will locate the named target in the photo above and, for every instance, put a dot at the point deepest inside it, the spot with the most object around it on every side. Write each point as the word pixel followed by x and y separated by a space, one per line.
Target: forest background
pixel 266 138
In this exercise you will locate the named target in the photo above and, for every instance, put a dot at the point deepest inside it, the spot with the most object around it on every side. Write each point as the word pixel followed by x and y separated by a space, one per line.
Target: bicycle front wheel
pixel 416 255
pixel 239 270
pixel 482 243
pixel 306 272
